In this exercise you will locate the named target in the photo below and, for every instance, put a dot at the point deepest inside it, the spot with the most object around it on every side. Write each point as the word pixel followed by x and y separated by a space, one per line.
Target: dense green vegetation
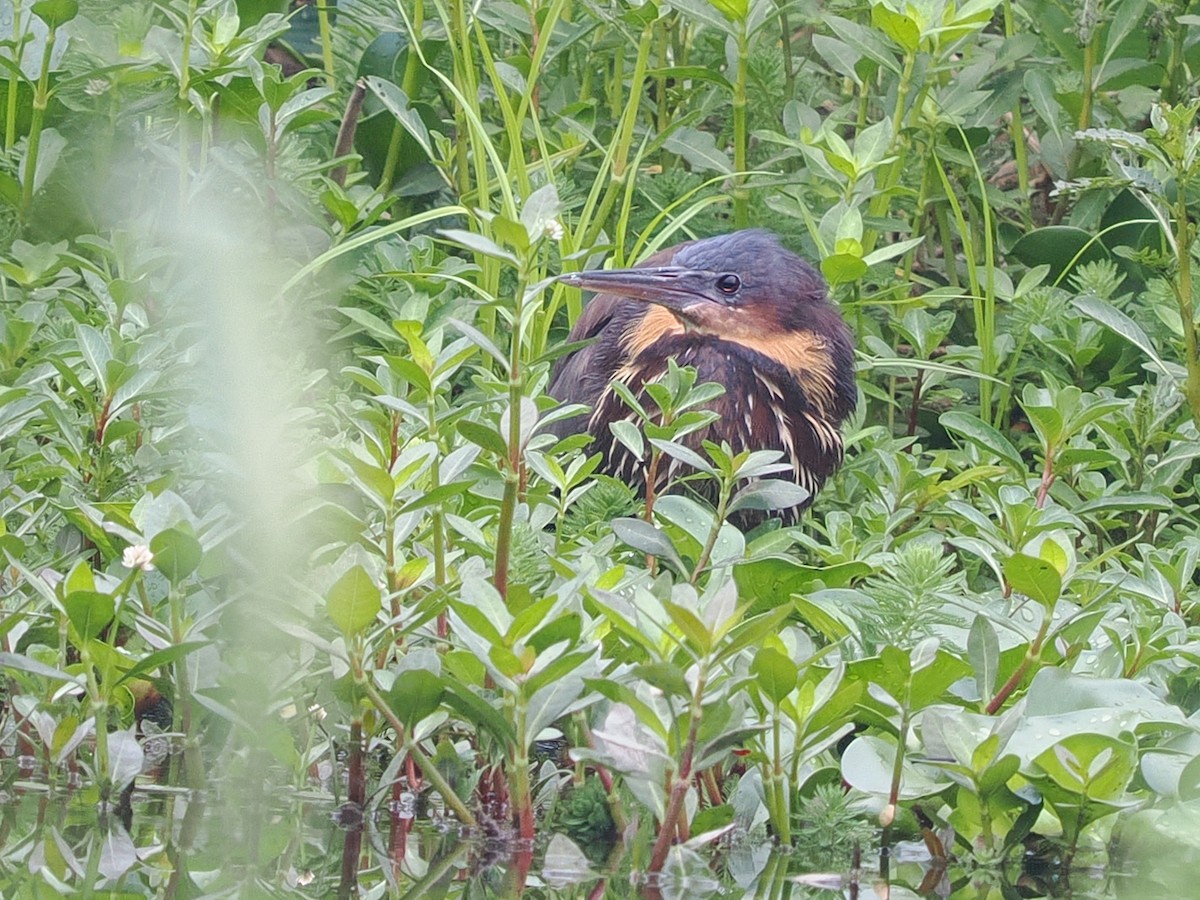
pixel 273 361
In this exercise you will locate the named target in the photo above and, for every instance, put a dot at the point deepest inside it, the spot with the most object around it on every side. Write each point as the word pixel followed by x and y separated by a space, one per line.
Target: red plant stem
pixel 394 441
pixel 357 793
pixel 1032 655
pixel 679 788
pixel 400 828
pixel 651 478
pixel 1047 478
pixel 709 781
pixel 102 420
pixel 345 137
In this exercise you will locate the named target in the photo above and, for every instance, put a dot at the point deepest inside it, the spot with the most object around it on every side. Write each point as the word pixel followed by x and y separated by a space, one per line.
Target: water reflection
pixel 176 845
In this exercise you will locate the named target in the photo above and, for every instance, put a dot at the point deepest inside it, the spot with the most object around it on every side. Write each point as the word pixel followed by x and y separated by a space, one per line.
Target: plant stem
pixel 741 196
pixel 1032 656
pixel 782 808
pixel 890 176
pixel 346 131
pixel 785 40
pixel 512 471
pixel 682 779
pixel 18 50
pixel 424 763
pixel 519 792
pixel 41 100
pixel 327 41
pixel 1183 248
pixel 1047 478
pixel 715 530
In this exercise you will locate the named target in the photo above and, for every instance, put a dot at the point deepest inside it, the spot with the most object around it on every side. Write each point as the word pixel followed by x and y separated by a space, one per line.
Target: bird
pixel 745 312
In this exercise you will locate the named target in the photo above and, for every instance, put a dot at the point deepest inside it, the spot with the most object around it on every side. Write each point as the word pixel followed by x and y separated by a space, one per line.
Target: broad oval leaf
pixel 415 694
pixel 1036 578
pixel 354 601
pixel 775 674
pixel 89 612
pixel 177 553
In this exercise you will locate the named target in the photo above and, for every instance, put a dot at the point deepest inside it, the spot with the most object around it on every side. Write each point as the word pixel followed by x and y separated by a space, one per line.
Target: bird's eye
pixel 729 284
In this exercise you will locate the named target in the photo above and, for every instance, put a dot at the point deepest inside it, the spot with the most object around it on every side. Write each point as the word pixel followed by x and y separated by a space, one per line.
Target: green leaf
pixel 869 762
pixel 540 209
pixel 1061 247
pixel 775 674
pixel 477 243
pixel 89 612
pixel 699 148
pixel 983 650
pixel 645 537
pixel 1047 422
pixel 177 553
pixel 733 10
pixel 354 601
pixel 484 436
pixel 56 12
pixel 1111 317
pixel 161 659
pixel 843 268
pixel 768 493
pixel 21 663
pixel 983 435
pixel 96 353
pixel 415 694
pixel 689 623
pixel 629 435
pixel 482 714
pixel 398 105
pixel 770 581
pixel 899 27
pixel 1033 577
pixel 667 677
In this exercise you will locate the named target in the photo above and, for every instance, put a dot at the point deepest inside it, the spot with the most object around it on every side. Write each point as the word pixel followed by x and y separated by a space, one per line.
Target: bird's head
pixel 747 289
pixel 738 286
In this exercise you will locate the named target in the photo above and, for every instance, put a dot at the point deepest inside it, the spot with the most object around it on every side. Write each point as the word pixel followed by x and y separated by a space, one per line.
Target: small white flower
pixel 138 556
pixel 554 230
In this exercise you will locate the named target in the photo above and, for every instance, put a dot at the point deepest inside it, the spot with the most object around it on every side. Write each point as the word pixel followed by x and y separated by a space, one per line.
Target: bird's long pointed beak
pixel 674 287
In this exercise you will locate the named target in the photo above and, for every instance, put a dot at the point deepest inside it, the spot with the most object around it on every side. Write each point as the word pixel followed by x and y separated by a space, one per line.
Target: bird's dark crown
pixel 765 266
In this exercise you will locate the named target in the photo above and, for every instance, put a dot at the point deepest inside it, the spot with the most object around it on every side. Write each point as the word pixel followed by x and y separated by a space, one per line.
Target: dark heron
pixel 747 314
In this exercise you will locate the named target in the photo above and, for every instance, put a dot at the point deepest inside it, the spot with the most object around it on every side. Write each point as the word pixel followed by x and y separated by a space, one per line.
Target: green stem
pixel 682 778
pixel 741 196
pixel 897 767
pixel 193 767
pixel 715 530
pixel 100 712
pixel 1183 248
pixel 785 40
pixel 408 84
pixel 41 100
pixel 519 790
pixel 783 814
pixel 327 41
pixel 424 763
pixel 512 473
pixel 185 85
pixel 439 515
pixel 18 50
pixel 891 175
pixel 1016 128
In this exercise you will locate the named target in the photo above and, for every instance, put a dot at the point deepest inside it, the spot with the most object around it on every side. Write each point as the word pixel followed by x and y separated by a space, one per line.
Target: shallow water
pixel 165 844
